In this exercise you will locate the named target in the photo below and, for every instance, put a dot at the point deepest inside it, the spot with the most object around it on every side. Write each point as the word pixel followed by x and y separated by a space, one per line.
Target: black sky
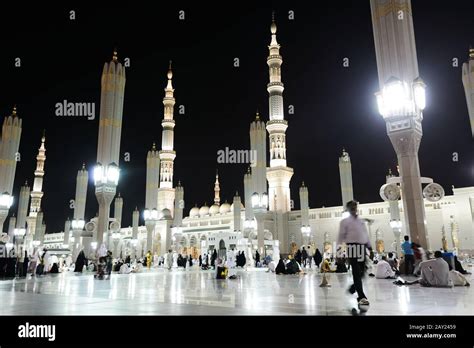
pixel 334 106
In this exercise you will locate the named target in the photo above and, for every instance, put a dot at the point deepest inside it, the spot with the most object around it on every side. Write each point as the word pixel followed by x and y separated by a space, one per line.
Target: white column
pixel 23 205
pixel 135 219
pixel 118 206
pixel 11 228
pixel 345 172
pixel 398 66
pixel 468 82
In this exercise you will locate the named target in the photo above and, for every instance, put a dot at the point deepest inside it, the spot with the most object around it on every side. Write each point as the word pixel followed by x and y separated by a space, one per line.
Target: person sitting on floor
pixel 325 266
pixel 293 267
pixel 435 272
pixel 384 270
pixel 458 267
pixel 280 268
pixel 393 262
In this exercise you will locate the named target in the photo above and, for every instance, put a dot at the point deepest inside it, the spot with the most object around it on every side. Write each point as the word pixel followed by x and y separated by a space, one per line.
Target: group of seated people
pixel 433 272
pixel 286 266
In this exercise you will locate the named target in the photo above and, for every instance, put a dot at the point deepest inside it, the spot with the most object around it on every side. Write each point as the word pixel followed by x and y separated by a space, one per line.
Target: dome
pixel 241 206
pixel 166 213
pixel 214 209
pixel 224 208
pixel 204 210
pixel 194 212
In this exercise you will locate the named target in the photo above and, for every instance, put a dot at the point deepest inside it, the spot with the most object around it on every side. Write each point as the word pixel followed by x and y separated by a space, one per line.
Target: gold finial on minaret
pixel 153 147
pixel 257 116
pixel 115 56
pixel 14 111
pixel 83 166
pixel 248 170
pixel 302 184
pixel 43 138
pixel 273 27
pixel 471 52
pixel 170 71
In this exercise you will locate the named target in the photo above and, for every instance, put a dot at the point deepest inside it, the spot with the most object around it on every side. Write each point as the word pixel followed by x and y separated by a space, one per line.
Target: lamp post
pixel 396 226
pixel 260 206
pixel 306 232
pixel 116 239
pixel 106 179
pixel 151 217
pixel 401 104
pixel 19 233
pixel 6 201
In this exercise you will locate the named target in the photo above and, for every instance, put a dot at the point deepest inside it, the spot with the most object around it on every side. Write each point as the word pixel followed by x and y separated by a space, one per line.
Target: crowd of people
pixel 39 263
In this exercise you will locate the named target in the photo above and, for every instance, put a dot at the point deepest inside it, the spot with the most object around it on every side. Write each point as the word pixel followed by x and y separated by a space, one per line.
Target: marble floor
pixel 194 292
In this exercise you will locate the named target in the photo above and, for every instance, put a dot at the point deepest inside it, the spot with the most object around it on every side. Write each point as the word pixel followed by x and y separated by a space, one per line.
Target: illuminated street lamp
pixel 106 179
pixel 259 206
pixel 401 104
pixel 151 217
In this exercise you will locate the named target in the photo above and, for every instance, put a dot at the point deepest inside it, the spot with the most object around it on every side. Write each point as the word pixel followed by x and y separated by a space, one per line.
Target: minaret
pixel 23 206
pixel 82 179
pixel 67 232
pixel 468 82
pixel 217 190
pixel 248 191
pixel 152 178
pixel 9 144
pixel 278 174
pixel 38 227
pixel 237 206
pixel 304 204
pixel 37 193
pixel 167 154
pixel 345 173
pixel 106 172
pixel 78 222
pixel 258 148
pixel 178 205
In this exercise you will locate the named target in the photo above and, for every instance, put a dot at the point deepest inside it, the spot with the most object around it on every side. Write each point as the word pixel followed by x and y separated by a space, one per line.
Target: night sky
pixel 335 107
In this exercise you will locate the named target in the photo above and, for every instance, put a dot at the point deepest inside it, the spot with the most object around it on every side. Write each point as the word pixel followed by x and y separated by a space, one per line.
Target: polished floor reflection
pixel 193 292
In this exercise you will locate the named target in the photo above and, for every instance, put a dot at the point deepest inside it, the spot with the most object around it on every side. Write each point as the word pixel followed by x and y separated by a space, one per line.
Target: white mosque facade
pixel 262 219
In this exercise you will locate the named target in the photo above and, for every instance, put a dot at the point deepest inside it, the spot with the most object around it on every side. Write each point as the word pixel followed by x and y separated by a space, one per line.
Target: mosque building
pixel 263 219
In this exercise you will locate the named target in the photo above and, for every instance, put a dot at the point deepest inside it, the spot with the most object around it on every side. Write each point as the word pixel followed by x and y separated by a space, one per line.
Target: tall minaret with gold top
pixel 37 192
pixel 278 174
pixel 166 193
pixel 217 190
